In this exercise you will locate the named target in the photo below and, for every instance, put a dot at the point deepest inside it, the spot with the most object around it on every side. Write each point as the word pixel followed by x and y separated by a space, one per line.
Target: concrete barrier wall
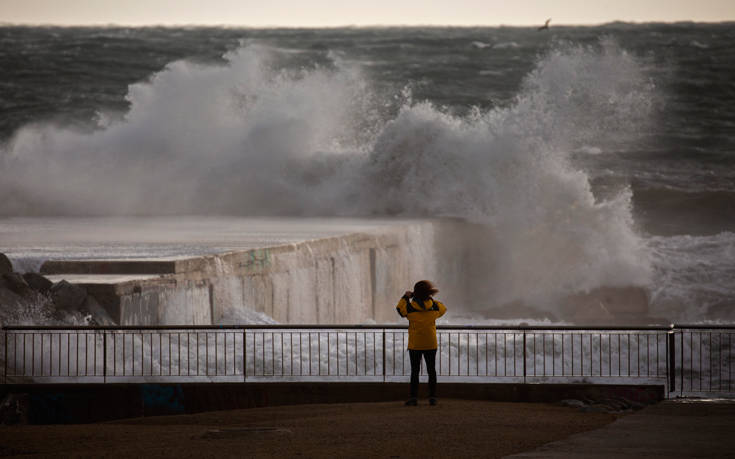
pixel 343 280
pixel 355 278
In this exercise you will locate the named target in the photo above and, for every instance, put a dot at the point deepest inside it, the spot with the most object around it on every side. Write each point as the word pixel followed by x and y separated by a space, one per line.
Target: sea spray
pixel 198 139
pixel 693 277
pixel 249 138
pixel 510 169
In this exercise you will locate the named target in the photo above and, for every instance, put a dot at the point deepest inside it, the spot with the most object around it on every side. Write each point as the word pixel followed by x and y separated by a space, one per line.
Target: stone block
pixel 5 265
pixel 38 282
pixel 66 296
pixel 16 283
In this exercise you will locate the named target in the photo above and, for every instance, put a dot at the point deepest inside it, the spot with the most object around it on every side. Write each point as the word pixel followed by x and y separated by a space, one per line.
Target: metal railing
pixel 689 360
pixel 702 360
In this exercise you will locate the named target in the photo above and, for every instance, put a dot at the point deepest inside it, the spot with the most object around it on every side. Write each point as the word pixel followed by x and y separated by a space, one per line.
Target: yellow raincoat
pixel 421 322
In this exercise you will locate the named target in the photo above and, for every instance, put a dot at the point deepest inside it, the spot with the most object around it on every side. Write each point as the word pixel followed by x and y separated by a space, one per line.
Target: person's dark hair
pixel 424 289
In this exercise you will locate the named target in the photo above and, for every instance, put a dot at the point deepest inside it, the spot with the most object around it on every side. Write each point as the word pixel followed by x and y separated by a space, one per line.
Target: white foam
pixel 246 138
pixel 480 45
pixel 697 44
pixel 506 45
pixel 693 276
pixel 589 150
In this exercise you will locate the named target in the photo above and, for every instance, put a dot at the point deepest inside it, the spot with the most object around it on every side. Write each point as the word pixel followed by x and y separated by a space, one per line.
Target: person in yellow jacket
pixel 421 310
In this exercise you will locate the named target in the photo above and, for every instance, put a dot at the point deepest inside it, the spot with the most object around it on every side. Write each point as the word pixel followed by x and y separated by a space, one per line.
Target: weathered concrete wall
pixel 343 280
pixel 348 279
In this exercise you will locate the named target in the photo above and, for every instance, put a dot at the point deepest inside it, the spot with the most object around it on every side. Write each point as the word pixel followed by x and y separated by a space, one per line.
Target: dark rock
pixel 66 296
pixel 632 403
pixel 5 265
pixel 16 283
pixel 37 282
pixel 596 408
pixel 572 403
pixel 615 404
pixel 9 297
pixel 96 313
pixel 14 409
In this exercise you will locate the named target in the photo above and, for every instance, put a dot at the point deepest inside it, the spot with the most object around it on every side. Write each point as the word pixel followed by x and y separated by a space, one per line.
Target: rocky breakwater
pixel 32 299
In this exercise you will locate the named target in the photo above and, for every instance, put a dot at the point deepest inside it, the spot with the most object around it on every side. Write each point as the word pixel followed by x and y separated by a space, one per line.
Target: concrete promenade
pixel 670 429
pixel 454 428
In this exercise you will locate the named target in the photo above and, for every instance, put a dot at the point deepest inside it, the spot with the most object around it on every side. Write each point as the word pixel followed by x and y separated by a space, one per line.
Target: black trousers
pixel 430 358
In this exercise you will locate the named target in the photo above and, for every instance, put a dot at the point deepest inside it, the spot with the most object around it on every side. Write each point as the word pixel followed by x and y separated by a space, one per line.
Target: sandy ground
pixel 454 428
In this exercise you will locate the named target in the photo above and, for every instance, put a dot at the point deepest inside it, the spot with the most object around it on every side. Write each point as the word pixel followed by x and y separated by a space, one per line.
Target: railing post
pixel 672 361
pixel 524 356
pixel 5 361
pixel 681 358
pixel 104 356
pixel 245 356
pixel 384 362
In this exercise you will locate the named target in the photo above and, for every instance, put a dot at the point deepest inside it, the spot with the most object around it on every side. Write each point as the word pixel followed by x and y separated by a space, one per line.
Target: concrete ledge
pixel 63 404
pixel 303 282
pixel 110 290
pixel 143 266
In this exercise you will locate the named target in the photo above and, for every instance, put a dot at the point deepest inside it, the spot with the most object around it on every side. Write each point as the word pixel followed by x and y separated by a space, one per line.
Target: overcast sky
pixel 314 13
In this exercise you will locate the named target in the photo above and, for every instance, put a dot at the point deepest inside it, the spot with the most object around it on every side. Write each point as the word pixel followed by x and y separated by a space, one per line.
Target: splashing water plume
pixel 250 138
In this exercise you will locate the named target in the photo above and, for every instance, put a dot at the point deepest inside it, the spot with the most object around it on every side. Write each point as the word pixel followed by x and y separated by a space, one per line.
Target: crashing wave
pixel 249 138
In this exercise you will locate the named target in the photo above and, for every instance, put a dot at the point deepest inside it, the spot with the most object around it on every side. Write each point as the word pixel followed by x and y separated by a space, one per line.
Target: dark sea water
pixel 610 149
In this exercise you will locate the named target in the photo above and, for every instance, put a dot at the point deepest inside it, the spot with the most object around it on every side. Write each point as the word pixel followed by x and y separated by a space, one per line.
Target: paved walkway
pixel 454 428
pixel 671 429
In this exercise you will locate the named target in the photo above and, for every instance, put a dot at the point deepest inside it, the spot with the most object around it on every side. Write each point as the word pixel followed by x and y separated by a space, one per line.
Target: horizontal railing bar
pixel 357 327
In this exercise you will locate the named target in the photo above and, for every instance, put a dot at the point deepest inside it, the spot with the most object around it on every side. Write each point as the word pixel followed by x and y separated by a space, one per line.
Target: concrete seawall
pixel 347 279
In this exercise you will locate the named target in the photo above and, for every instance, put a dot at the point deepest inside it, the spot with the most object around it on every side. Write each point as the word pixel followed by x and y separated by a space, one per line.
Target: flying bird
pixel 546 25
